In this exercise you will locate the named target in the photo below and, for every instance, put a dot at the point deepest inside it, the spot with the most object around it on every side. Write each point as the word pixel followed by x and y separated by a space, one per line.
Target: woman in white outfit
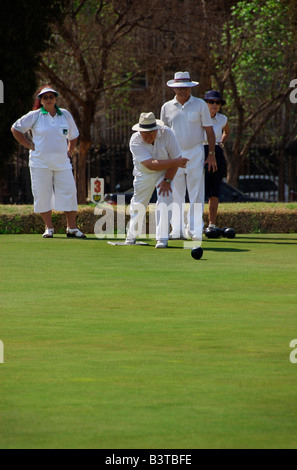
pixel 156 158
pixel 54 136
pixel 222 130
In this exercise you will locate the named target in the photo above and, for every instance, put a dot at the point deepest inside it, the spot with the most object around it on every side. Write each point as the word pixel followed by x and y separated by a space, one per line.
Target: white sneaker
pixel 130 241
pixel 161 244
pixel 49 233
pixel 74 233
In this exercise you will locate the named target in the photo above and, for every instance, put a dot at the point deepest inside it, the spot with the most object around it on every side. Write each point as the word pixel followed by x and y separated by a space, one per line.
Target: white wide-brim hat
pixel 181 79
pixel 47 90
pixel 148 122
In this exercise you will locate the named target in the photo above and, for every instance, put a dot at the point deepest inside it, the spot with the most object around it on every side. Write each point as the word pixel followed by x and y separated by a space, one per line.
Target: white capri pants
pixel 53 190
pixel 143 189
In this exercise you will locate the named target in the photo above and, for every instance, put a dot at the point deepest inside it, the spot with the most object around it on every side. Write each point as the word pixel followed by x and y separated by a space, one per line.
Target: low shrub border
pixel 244 218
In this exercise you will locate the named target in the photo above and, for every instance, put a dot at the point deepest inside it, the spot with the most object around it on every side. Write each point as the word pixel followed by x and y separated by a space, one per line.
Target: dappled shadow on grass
pixel 151 244
pixel 225 249
pixel 264 240
pixel 211 245
pixel 211 248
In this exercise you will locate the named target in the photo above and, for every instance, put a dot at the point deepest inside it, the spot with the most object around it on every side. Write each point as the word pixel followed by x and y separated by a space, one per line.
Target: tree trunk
pixel 81 182
pixel 233 166
pixel 281 175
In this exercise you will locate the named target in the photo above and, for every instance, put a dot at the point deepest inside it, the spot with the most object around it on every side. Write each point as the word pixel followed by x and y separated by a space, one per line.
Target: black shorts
pixel 213 180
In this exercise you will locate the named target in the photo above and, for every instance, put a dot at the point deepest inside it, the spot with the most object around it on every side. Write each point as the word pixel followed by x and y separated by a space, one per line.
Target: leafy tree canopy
pixel 260 44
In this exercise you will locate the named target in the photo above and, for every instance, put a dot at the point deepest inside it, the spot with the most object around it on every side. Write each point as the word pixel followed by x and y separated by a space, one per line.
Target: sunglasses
pixel 214 102
pixel 47 97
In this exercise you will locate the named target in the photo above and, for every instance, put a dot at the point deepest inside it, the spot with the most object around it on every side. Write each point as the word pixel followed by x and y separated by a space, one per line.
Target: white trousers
pixel 192 179
pixel 144 186
pixel 53 190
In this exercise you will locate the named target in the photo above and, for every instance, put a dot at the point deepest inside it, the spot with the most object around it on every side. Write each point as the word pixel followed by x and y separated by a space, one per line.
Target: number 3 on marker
pixel 97 186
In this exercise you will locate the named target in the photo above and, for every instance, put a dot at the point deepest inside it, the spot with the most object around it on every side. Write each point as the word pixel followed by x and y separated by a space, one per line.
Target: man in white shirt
pixel 156 158
pixel 188 117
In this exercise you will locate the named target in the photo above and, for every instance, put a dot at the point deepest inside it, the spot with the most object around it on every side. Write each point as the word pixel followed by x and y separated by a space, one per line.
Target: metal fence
pixel 110 161
pixel 261 176
pixel 110 158
pixel 16 179
pixel 113 162
pixel 269 174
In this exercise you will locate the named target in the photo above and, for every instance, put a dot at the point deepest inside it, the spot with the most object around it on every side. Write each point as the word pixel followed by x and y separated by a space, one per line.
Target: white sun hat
pixel 148 122
pixel 181 79
pixel 47 90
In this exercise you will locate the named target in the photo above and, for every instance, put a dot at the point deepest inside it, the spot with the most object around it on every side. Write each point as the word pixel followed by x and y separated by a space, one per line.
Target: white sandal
pixel 75 233
pixel 49 233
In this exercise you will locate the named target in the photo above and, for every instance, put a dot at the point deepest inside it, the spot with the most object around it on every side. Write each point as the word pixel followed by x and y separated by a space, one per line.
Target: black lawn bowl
pixel 197 252
pixel 229 232
pixel 213 232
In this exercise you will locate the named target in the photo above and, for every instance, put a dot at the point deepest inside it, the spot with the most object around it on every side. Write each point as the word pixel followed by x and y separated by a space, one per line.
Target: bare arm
pixel 159 165
pixel 170 174
pixel 22 139
pixel 211 139
pixel 226 132
pixel 165 187
pixel 71 147
pixel 170 166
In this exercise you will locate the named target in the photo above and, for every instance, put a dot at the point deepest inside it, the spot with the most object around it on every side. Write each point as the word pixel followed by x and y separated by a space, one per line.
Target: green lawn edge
pixel 243 217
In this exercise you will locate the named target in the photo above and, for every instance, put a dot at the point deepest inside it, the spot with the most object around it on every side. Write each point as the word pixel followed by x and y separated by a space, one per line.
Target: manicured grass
pixel 13 209
pixel 117 347
pixel 22 209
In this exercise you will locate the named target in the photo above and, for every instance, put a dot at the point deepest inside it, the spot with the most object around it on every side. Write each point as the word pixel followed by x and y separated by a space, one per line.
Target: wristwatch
pixel 211 153
pixel 167 180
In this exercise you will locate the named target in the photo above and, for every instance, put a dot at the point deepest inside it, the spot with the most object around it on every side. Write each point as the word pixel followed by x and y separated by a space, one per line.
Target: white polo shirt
pixel 218 122
pixel 187 121
pixel 50 136
pixel 164 148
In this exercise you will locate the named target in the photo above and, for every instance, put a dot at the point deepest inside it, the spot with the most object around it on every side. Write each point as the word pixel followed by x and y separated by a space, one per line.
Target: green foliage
pixel 260 48
pixel 291 5
pixel 24 30
pixel 268 48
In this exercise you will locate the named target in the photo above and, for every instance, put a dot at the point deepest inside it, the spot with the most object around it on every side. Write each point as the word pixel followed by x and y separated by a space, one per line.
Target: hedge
pixel 244 218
